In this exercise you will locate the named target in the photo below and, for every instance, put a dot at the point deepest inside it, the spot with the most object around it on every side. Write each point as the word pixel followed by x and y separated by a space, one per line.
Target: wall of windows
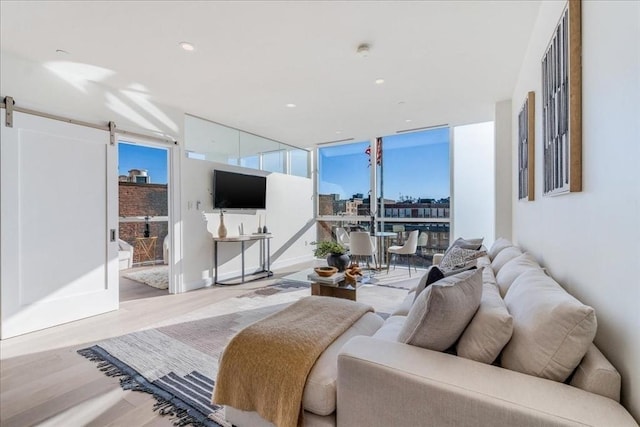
pixel 406 175
pixel 343 180
pixel 207 140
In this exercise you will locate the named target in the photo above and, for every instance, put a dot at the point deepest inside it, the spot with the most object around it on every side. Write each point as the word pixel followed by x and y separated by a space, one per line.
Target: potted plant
pixel 335 253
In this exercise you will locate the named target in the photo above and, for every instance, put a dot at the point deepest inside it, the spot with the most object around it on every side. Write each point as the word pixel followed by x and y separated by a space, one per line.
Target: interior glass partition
pixel 215 142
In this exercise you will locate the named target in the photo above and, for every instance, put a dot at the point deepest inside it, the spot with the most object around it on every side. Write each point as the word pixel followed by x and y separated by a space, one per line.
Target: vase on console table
pixel 222 229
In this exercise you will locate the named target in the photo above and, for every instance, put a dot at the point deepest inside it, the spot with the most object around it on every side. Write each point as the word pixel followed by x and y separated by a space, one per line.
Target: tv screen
pixel 238 191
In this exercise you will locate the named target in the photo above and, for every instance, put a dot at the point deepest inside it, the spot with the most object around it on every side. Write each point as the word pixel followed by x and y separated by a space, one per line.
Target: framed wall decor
pixel 526 148
pixel 562 105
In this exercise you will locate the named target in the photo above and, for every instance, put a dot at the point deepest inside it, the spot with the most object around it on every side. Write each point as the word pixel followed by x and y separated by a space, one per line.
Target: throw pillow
pixel 513 268
pixel 504 257
pixel 441 313
pixel 552 330
pixel 474 244
pixel 458 258
pixel 498 246
pixel 489 330
pixel 433 275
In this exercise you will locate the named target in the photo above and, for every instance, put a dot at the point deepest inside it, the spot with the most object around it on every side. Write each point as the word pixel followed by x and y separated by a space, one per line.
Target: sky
pixel 414 165
pixel 134 156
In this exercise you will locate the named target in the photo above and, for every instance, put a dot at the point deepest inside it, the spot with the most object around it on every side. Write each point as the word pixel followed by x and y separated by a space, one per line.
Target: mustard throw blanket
pixel 265 366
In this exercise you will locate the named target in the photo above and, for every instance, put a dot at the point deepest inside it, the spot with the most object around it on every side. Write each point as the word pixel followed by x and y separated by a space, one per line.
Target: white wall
pixel 289 217
pixel 589 241
pixel 474 182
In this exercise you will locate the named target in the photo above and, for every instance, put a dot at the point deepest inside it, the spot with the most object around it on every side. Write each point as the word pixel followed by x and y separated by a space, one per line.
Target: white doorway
pixel 144 223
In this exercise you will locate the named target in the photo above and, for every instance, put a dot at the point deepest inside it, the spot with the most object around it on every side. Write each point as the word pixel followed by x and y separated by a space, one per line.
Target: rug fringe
pixel 164 407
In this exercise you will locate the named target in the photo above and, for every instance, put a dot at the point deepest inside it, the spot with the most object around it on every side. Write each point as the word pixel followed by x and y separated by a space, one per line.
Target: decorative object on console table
pixel 222 229
pixel 335 253
pixel 526 150
pixel 562 105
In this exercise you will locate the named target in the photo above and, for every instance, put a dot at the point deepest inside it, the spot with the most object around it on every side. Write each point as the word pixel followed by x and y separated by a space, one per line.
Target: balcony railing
pixel 433 234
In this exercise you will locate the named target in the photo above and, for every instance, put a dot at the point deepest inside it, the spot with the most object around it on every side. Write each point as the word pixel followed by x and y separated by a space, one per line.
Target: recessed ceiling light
pixel 408 120
pixel 379 81
pixel 338 132
pixel 62 52
pixel 291 105
pixel 363 50
pixel 187 46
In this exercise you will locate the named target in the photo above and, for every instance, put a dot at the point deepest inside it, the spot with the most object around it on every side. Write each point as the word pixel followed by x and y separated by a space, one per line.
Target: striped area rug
pixel 177 360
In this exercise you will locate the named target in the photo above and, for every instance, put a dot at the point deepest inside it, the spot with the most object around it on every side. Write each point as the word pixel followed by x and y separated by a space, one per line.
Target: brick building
pixel 142 200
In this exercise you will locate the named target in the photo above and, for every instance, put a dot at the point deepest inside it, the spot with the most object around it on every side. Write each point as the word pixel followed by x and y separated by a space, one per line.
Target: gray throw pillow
pixel 474 244
pixel 441 313
pixel 431 276
pixel 490 329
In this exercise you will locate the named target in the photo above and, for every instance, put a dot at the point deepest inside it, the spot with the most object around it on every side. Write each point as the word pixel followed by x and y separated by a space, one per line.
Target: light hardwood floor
pixel 43 381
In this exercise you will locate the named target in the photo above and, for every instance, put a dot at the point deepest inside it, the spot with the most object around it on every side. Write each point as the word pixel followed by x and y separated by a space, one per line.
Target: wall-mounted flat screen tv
pixel 233 190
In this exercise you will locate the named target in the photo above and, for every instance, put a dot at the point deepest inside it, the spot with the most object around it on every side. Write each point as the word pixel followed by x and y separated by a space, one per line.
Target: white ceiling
pixel 442 61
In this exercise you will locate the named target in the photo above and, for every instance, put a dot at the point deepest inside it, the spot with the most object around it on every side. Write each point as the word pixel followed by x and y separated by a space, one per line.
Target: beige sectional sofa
pixel 529 360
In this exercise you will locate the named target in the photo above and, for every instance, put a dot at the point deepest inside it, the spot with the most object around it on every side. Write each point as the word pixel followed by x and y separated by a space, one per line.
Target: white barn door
pixel 58 205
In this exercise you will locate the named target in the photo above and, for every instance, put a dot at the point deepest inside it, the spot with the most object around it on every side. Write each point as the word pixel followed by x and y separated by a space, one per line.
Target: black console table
pixel 265 249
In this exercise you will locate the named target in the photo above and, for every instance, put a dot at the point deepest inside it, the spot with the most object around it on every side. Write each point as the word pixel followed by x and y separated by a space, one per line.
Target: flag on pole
pixel 368 153
pixel 379 150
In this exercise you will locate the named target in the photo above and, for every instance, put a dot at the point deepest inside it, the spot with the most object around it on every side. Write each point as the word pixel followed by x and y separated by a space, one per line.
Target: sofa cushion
pixel 431 276
pixel 597 375
pixel 551 329
pixel 488 276
pixel 513 268
pixel 459 258
pixel 498 246
pixel 405 305
pixel 505 255
pixel 319 394
pixel 390 329
pixel 489 330
pixel 483 261
pixel 440 313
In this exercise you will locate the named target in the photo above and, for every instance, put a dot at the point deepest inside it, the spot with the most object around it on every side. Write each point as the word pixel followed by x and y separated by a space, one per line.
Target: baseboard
pixel 198 284
pixel 203 283
pixel 292 261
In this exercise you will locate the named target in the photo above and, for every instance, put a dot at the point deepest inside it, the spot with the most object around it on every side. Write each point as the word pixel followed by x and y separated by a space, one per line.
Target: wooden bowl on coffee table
pixel 325 271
